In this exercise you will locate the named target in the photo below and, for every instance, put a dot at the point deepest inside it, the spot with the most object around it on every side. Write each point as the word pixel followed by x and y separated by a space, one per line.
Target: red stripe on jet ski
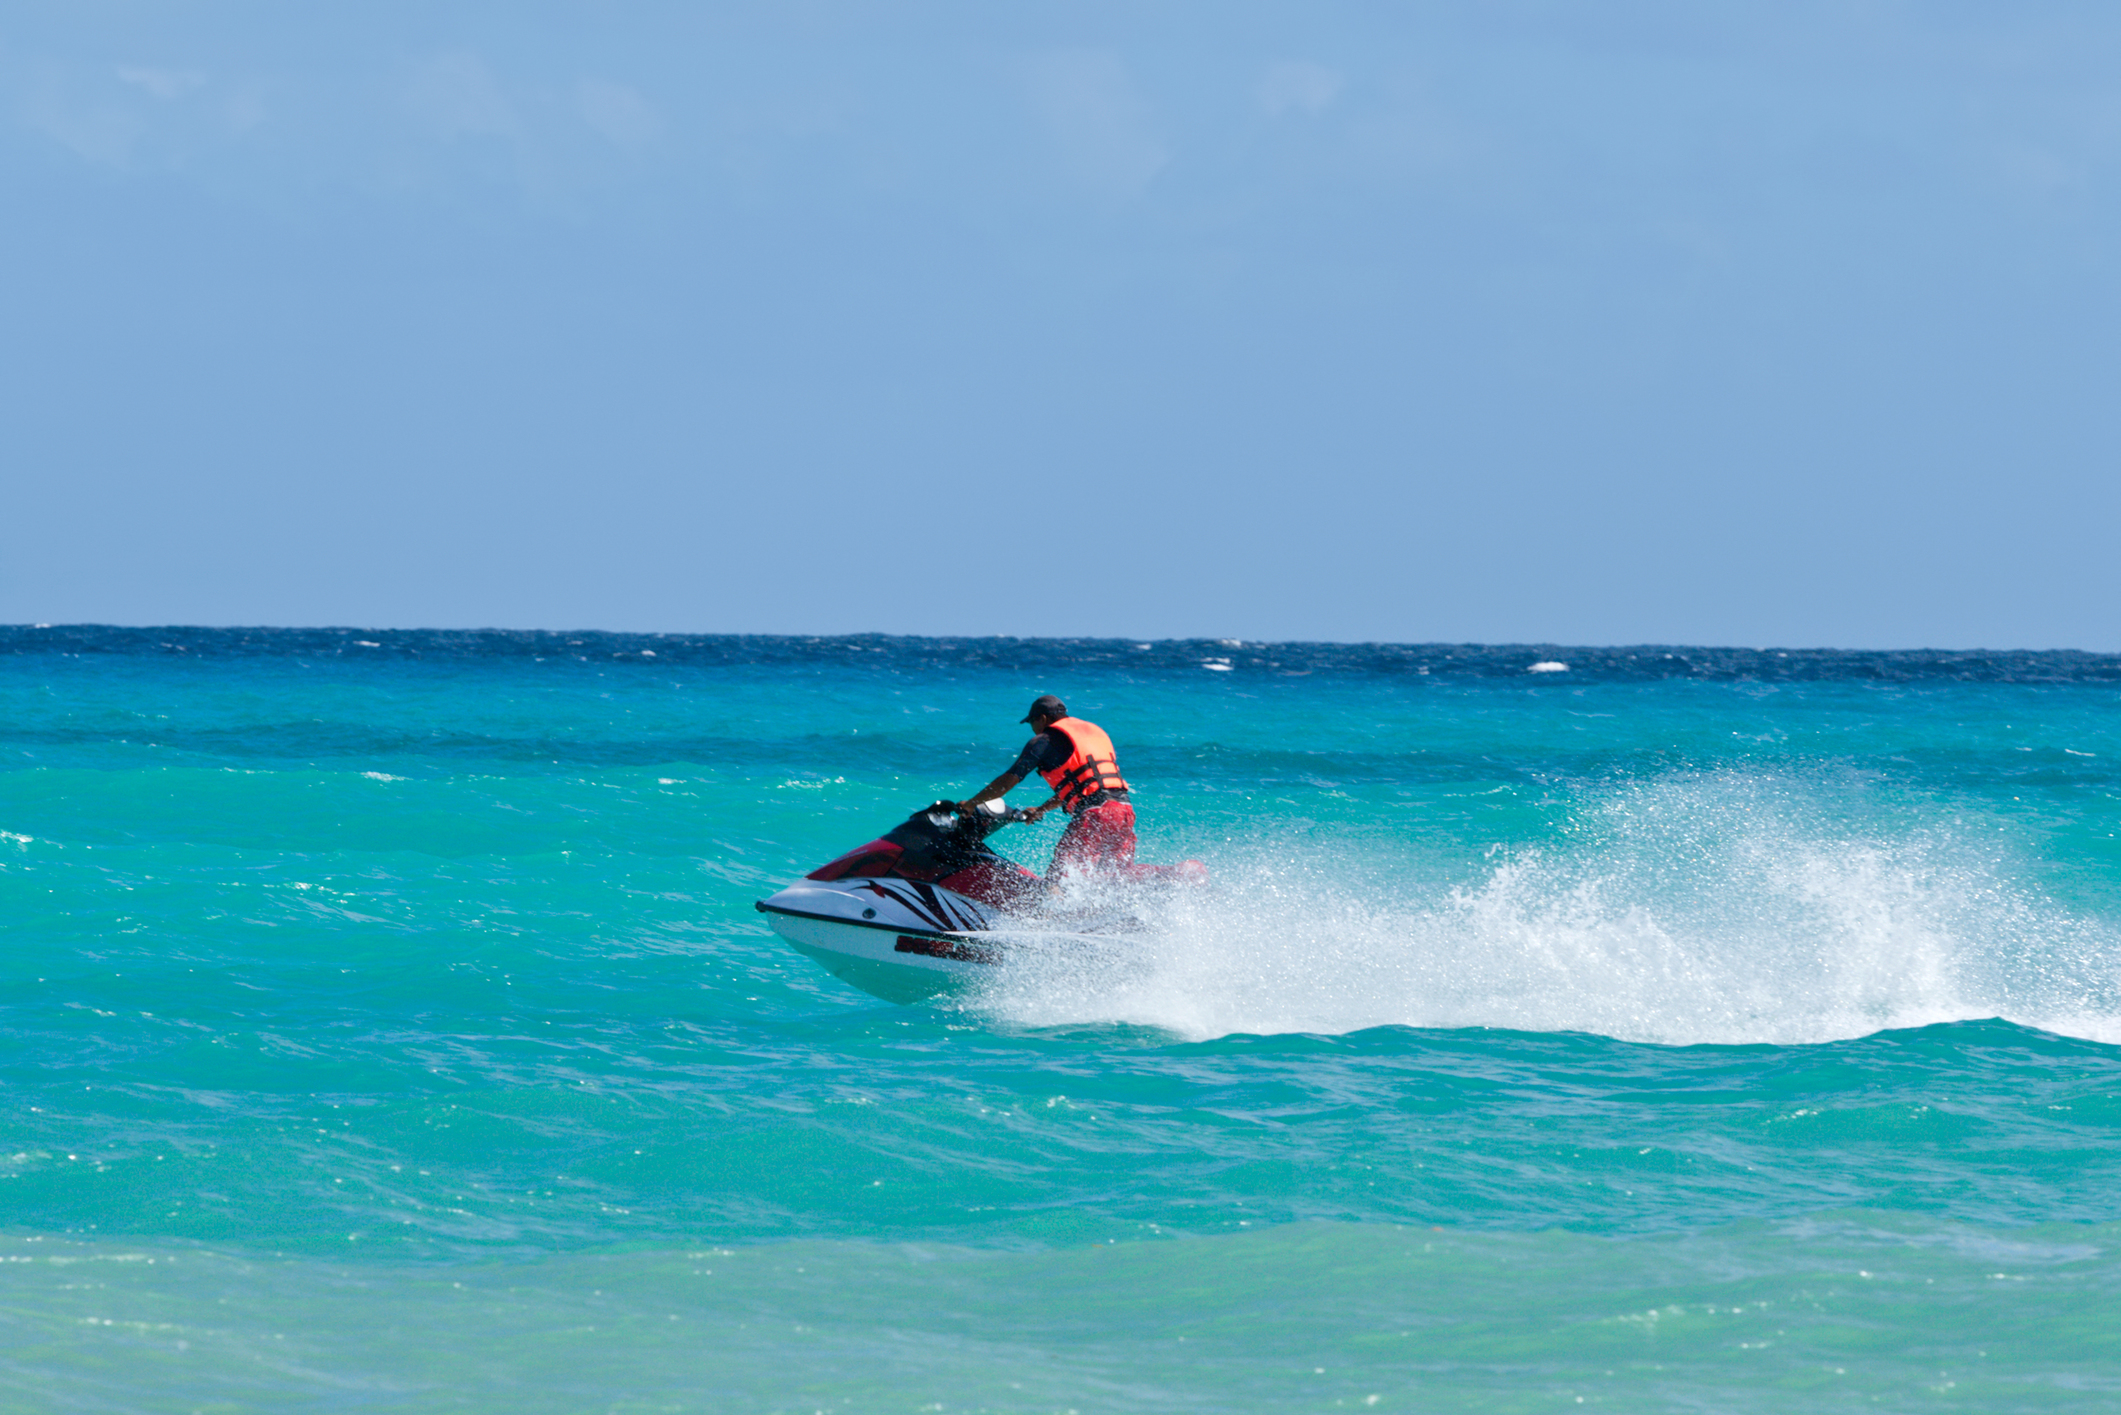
pixel 946 948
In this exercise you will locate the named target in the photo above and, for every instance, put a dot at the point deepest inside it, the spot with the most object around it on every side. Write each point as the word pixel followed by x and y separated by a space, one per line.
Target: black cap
pixel 1049 707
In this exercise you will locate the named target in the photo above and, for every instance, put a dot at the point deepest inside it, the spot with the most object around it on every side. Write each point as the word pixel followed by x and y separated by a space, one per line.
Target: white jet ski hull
pixel 907 942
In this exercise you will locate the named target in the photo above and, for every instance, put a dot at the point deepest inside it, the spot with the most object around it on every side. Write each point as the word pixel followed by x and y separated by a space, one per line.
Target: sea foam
pixel 1722 908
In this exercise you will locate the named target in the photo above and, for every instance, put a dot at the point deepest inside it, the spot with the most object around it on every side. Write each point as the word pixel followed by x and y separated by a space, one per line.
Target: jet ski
pixel 929 908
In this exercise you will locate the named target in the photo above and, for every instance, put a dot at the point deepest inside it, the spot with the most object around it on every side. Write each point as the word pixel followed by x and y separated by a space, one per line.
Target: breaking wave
pixel 1723 909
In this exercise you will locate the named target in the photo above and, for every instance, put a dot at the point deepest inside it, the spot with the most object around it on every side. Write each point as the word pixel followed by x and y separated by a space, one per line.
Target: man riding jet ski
pixel 1077 760
pixel 928 907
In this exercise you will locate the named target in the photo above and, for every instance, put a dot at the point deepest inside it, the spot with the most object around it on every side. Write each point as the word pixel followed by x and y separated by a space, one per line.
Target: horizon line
pixel 1130 639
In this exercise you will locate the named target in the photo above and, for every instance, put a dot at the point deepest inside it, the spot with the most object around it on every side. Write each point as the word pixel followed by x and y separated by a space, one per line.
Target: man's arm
pixel 1032 758
pixel 992 791
pixel 997 788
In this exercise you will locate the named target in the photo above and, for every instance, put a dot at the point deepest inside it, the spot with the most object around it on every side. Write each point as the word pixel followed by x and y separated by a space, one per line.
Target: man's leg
pixel 1118 848
pixel 1101 837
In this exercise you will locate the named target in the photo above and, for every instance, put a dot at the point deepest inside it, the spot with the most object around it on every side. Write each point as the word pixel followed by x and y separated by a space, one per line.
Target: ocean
pixel 387 1026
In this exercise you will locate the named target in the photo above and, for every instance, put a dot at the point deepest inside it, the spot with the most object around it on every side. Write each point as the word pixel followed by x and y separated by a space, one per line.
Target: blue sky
pixel 1780 323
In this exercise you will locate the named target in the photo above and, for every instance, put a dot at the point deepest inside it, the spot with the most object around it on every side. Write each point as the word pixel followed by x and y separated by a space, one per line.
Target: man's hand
pixel 1035 812
pixel 992 791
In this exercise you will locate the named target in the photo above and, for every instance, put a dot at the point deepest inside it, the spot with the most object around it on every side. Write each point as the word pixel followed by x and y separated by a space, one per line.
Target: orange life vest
pixel 1092 770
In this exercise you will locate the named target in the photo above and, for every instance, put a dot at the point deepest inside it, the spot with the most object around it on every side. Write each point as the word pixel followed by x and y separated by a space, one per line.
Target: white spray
pixel 1724 909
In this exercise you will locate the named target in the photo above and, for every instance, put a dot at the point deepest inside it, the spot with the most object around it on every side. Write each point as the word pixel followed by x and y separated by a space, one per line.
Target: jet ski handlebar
pixel 986 816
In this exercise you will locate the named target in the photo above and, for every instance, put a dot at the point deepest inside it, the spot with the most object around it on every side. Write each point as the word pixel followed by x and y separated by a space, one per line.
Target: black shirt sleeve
pixel 1048 751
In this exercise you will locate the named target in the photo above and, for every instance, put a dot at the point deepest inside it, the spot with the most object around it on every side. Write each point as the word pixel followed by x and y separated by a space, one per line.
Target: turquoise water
pixel 387 1026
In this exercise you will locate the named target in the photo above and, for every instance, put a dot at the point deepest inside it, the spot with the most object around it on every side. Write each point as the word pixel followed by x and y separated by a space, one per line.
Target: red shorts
pixel 1101 837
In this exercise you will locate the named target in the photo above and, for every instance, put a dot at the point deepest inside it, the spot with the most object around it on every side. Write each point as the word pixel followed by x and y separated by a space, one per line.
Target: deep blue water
pixel 387 1026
